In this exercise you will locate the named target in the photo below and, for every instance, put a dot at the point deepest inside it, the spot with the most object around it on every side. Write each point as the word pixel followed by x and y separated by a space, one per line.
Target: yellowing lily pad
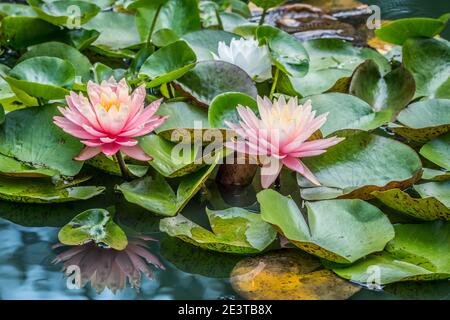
pixel 288 275
pixel 337 230
pixel 234 230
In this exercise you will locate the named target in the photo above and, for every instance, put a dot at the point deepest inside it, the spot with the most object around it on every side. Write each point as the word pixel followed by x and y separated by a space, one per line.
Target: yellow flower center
pixel 107 102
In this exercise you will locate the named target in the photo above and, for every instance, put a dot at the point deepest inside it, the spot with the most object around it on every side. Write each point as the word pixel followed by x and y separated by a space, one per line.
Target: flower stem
pixel 263 16
pixel 274 84
pixel 152 27
pixel 123 166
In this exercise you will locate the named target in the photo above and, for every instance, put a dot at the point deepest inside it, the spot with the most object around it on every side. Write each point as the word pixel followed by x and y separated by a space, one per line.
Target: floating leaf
pixel 93 225
pixel 111 166
pixel 424 120
pixel 30 136
pixel 164 37
pixel 435 175
pixel 288 275
pixel 12 167
pixel 203 84
pixel 418 252
pixel 429 62
pixel 16 9
pixel 357 166
pixel 438 151
pixel 400 30
pixel 205 42
pixel 43 191
pixel 169 63
pixel 156 195
pixel 438 190
pixel 267 4
pixel 391 91
pixel 287 52
pixel 337 230
pixel 234 230
pixel 82 38
pixel 43 77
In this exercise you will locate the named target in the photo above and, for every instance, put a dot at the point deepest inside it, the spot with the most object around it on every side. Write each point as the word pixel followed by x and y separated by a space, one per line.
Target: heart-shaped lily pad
pixel 61 12
pixel 43 77
pixel 433 204
pixel 12 167
pixel 156 195
pixel 43 191
pixel 400 30
pixel 93 225
pixel 418 252
pixel 391 91
pixel 288 275
pixel 223 108
pixel 337 230
pixel 438 151
pixel 168 63
pixel 205 42
pixel 30 136
pixel 63 51
pixel 346 112
pixel 429 62
pixel 234 230
pixel 424 120
pixel 288 53
pixel 203 84
pixel 357 166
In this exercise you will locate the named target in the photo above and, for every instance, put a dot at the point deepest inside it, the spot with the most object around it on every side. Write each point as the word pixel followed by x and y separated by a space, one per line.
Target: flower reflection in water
pixel 109 268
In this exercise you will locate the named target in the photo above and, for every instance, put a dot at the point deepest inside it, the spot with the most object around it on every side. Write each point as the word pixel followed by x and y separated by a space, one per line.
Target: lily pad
pixel 43 191
pixel 203 84
pixel 223 108
pixel 93 225
pixel 429 62
pixel 337 230
pixel 288 53
pixel 14 168
pixel 164 37
pixel 82 38
pixel 400 30
pixel 234 230
pixel 111 166
pixel 288 275
pixel 267 4
pixel 16 9
pixel 63 51
pixel 60 13
pixel 424 120
pixel 205 42
pixel 357 166
pixel 435 175
pixel 346 112
pixel 30 136
pixel 156 195
pixel 168 63
pixel 43 77
pixel 418 252
pixel 428 207
pixel 391 91
pixel 438 190
pixel 438 151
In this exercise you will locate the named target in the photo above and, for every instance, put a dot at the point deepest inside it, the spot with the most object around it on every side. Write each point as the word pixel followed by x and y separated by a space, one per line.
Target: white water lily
pixel 249 56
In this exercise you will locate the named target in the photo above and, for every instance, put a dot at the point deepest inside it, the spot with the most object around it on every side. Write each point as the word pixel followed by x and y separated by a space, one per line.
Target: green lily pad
pixel 428 207
pixel 93 225
pixel 358 165
pixel 16 9
pixel 435 175
pixel 346 112
pixel 418 252
pixel 288 53
pixel 164 37
pixel 205 42
pixel 43 77
pixel 185 122
pixel 400 30
pixel 332 60
pixel 223 108
pixel 12 167
pixel 103 72
pixel 63 51
pixel 234 230
pixel 424 120
pixel 337 230
pixel 82 38
pixel 59 12
pixel 438 151
pixel 203 84
pixel 30 136
pixel 168 63
pixel 43 191
pixel 267 4
pixel 156 195
pixel 391 91
pixel 438 190
pixel 111 166
pixel 429 62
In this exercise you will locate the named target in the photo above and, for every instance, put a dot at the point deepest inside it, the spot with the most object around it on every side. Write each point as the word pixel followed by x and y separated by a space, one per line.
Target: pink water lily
pixel 110 119
pixel 280 136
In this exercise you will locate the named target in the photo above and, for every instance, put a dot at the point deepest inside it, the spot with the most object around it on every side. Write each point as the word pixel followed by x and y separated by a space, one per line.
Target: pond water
pixel 28 232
